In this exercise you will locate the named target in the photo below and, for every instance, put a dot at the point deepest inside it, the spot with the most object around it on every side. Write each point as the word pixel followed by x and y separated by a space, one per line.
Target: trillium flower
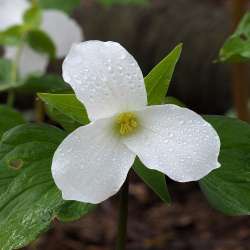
pixel 63 31
pixel 92 163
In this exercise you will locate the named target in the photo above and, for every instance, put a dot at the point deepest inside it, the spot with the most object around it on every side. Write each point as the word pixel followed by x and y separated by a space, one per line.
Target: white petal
pixel 30 62
pixel 62 29
pixel 175 141
pixel 11 12
pixel 91 164
pixel 105 77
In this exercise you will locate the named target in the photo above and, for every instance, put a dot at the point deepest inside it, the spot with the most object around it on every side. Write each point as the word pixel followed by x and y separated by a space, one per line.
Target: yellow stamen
pixel 127 123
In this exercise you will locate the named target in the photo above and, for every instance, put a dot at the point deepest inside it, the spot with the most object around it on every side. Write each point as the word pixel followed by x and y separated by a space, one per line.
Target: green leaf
pixel 67 6
pixel 123 2
pixel 66 122
pixel 228 187
pixel 237 47
pixel 173 100
pixel 41 42
pixel 69 107
pixel 32 84
pixel 158 80
pixel 29 199
pixel 33 17
pixel 12 36
pixel 9 119
pixel 71 211
pixel 154 179
pixel 46 83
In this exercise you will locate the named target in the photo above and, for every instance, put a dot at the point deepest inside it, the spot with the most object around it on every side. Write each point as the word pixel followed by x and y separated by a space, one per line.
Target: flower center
pixel 127 123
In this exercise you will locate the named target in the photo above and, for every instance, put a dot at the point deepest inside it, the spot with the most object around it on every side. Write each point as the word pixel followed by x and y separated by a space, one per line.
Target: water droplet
pixel 69 150
pixel 104 78
pixel 123 56
pixel 128 76
pixel 132 86
pixel 171 135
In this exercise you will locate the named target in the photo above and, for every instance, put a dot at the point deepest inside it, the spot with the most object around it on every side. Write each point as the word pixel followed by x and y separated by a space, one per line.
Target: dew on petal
pixel 123 56
pixel 171 135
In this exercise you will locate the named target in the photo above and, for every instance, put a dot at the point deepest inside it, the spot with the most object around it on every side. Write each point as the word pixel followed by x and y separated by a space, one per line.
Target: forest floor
pixel 189 223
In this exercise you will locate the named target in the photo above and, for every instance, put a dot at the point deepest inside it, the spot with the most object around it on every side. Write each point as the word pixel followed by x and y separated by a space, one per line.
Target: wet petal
pixel 91 164
pixel 175 141
pixel 105 77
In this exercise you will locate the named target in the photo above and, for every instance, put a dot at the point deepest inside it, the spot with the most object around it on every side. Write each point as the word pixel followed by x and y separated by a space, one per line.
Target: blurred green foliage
pixel 236 49
pixel 123 2
pixel 65 5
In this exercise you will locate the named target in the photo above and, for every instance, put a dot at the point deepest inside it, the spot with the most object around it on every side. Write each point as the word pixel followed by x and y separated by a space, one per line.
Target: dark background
pixel 149 33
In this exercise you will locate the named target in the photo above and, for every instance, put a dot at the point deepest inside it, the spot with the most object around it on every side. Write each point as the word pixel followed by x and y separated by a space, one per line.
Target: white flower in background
pixel 63 31
pixel 11 12
pixel 92 163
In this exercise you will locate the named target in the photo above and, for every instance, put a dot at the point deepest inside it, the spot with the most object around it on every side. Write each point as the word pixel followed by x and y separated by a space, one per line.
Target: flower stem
pixel 13 79
pixel 39 111
pixel 34 2
pixel 13 76
pixel 122 219
pixel 10 98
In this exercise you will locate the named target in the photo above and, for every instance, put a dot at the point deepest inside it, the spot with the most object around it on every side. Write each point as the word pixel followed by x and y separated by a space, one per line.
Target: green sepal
pixel 159 78
pixel 154 179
